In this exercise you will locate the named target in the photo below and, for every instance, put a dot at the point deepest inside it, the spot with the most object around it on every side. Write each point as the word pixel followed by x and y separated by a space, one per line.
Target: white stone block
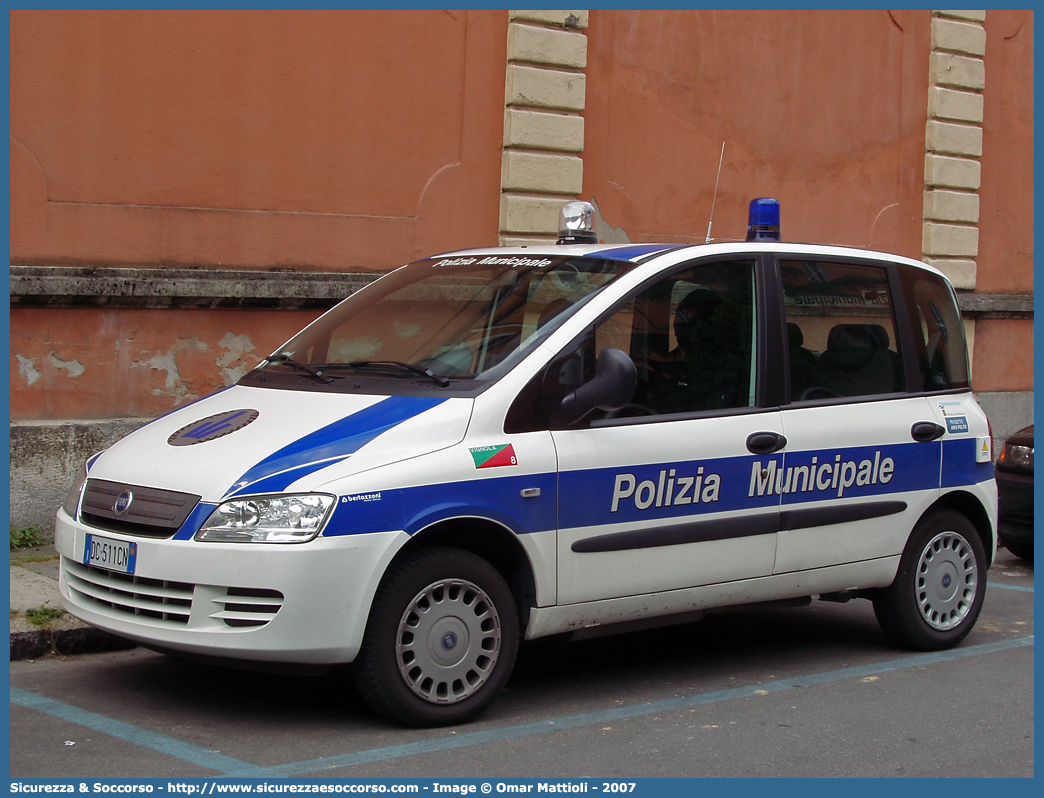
pixel 949 240
pixel 959 37
pixel 542 173
pixel 545 88
pixel 945 172
pixel 973 16
pixel 959 271
pixel 546 46
pixel 526 214
pixel 945 137
pixel 959 71
pixel 964 106
pixel 951 206
pixel 542 130
pixel 565 19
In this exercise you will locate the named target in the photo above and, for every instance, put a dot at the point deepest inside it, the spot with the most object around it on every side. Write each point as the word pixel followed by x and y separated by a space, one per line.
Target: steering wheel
pixel 631 410
pixel 818 392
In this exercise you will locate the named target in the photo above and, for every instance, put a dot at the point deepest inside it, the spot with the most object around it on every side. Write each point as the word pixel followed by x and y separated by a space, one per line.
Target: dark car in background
pixel 1015 486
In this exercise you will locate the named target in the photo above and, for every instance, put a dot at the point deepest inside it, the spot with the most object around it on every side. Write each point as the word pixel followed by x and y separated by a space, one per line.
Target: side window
pixel 691 336
pixel 937 328
pixel 840 331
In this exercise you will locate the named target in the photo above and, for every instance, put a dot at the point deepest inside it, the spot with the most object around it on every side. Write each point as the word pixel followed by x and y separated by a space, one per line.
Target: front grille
pixel 158 600
pixel 248 606
pixel 152 512
pixel 166 603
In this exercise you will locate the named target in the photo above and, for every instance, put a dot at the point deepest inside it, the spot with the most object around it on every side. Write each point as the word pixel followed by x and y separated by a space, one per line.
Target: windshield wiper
pixel 286 360
pixel 398 364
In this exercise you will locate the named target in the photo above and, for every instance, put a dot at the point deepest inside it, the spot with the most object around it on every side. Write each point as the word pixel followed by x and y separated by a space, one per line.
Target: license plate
pixel 115 555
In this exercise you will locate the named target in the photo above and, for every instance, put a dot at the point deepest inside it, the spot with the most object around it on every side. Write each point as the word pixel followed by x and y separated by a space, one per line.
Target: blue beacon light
pixel 763 220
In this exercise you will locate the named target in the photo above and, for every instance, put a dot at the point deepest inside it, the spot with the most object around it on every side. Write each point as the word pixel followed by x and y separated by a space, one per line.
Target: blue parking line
pixel 228 766
pixel 133 734
pixel 1010 587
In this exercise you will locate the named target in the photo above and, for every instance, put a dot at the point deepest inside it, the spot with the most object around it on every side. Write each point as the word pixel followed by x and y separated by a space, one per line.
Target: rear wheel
pixel 441 639
pixel 939 588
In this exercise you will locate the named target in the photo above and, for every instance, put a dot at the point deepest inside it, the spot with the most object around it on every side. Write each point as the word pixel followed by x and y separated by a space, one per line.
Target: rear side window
pixel 840 331
pixel 942 355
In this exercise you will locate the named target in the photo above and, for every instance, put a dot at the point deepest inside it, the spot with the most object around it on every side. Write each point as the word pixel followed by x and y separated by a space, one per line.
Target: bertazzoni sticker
pixel 212 427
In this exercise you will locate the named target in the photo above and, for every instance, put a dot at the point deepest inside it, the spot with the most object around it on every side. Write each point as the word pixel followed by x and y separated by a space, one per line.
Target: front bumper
pixel 285 603
pixel 1015 507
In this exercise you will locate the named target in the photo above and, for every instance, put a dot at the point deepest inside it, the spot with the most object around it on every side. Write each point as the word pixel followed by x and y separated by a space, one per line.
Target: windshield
pixel 463 317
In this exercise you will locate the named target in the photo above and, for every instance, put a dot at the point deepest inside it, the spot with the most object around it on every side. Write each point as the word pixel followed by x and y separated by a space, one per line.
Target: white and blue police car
pixel 501 443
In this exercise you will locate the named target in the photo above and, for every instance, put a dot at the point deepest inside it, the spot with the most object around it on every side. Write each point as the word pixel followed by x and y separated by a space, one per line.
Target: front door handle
pixel 925 431
pixel 765 442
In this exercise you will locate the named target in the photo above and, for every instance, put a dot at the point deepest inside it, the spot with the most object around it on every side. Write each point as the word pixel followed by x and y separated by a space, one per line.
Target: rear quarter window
pixel 938 331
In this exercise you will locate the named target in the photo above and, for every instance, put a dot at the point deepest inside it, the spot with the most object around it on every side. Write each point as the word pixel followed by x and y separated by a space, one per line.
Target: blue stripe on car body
pixel 632 251
pixel 959 468
pixel 914 467
pixel 329 444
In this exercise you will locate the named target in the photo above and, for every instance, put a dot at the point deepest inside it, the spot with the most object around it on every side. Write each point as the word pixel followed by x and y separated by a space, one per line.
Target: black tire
pixel 939 588
pixel 440 641
pixel 1024 551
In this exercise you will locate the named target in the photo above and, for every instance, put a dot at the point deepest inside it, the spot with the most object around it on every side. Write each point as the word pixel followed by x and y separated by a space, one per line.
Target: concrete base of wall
pixel 1008 412
pixel 45 455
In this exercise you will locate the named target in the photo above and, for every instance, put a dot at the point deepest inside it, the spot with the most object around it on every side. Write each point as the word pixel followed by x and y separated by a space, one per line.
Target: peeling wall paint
pixel 74 367
pixel 238 358
pixel 174 384
pixel 90 363
pixel 27 369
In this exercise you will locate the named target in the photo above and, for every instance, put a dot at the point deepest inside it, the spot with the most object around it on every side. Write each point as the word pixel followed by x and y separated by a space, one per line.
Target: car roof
pixel 639 253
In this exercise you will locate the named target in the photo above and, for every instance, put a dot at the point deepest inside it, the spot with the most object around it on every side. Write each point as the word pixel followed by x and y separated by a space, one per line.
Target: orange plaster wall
pixel 330 140
pixel 823 110
pixel 1003 359
pixel 90 363
pixel 1005 262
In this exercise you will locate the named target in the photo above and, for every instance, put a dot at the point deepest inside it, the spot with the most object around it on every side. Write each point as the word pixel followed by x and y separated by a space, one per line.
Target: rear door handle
pixel 925 431
pixel 765 442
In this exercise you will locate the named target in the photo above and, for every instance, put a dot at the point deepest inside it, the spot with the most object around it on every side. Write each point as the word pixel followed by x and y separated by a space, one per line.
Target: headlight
pixel 72 501
pixel 268 519
pixel 1020 457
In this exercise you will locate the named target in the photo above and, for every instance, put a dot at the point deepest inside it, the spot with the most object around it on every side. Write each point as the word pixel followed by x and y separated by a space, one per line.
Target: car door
pixel 662 494
pixel 863 457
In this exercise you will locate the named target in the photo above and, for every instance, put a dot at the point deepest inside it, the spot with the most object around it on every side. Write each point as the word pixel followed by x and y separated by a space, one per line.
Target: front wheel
pixel 441 639
pixel 939 588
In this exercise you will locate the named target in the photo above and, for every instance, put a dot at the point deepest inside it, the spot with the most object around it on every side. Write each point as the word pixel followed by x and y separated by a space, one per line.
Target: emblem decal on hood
pixel 211 427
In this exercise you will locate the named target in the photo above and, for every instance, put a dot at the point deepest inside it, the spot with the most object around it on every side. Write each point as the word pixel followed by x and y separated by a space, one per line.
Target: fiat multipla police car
pixel 507 443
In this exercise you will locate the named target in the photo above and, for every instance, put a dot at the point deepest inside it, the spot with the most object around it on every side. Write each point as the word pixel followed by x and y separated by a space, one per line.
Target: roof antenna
pixel 714 199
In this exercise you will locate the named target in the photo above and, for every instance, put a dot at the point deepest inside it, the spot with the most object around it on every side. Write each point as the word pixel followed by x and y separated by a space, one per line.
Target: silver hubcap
pixel 448 641
pixel 946 581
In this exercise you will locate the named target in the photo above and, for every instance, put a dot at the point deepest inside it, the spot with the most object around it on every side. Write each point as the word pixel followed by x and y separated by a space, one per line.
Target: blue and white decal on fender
pixel 329 445
pixel 413 509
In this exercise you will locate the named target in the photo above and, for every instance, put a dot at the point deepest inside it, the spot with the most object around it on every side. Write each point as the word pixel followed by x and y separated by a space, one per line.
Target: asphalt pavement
pixel 790 692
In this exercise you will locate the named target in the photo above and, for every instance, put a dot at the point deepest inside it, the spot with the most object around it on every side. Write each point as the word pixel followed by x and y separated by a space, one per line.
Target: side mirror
pixel 611 388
